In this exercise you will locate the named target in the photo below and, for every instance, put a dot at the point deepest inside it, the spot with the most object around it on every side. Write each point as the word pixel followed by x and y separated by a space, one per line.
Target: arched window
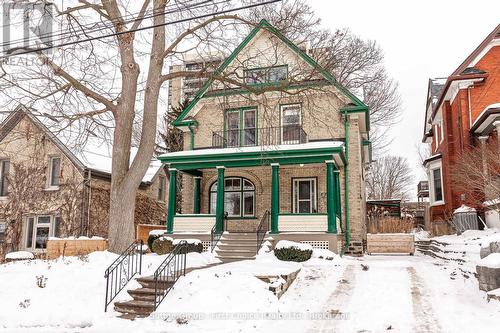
pixel 239 197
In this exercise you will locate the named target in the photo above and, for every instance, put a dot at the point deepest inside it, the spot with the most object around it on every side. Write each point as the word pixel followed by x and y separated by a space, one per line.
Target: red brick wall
pixel 457 124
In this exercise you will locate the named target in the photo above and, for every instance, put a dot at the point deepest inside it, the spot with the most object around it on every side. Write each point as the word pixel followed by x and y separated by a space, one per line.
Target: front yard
pixel 369 294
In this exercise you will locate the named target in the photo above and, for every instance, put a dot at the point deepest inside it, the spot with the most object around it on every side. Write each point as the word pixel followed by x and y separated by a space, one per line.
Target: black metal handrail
pixel 169 271
pixel 215 236
pixel 122 270
pixel 262 229
pixel 263 136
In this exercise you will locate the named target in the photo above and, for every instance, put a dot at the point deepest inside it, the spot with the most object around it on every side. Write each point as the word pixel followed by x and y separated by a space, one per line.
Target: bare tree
pixel 389 177
pixel 476 174
pixel 357 64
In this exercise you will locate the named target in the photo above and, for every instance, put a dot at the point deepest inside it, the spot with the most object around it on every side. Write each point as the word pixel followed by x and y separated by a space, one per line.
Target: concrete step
pixel 143 294
pixel 225 246
pixel 149 282
pixel 140 308
pixel 232 258
pixel 240 236
pixel 231 252
pixel 238 241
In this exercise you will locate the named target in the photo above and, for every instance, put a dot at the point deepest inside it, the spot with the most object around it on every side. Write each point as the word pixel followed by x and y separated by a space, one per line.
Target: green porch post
pixel 331 200
pixel 275 197
pixel 219 210
pixel 337 194
pixel 196 195
pixel 172 200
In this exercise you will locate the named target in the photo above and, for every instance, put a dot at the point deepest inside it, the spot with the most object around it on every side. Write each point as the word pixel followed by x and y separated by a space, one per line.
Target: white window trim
pixel 51 225
pixel 314 203
pixel 281 116
pixel 441 131
pixel 48 186
pixel 433 166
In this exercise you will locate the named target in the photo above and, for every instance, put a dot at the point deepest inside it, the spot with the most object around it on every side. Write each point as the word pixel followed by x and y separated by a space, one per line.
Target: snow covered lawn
pixel 369 294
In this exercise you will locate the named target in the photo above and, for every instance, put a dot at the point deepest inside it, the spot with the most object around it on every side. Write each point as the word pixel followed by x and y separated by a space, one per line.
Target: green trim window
pixel 263 75
pixel 239 197
pixel 4 177
pixel 304 195
pixel 291 123
pixel 241 127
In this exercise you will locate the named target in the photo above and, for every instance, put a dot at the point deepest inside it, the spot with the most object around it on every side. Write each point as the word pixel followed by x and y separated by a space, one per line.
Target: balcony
pixel 263 136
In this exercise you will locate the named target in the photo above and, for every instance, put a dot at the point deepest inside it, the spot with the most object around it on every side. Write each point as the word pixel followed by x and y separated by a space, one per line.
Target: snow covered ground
pixel 369 294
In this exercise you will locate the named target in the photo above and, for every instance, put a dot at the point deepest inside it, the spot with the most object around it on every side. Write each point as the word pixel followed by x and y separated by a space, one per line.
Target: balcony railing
pixel 262 136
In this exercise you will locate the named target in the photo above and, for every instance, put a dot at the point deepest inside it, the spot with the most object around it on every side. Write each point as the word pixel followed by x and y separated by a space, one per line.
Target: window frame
pixel 241 125
pixel 267 80
pixel 432 190
pixel 3 230
pixel 242 191
pixel 4 181
pixel 50 177
pixel 26 232
pixel 282 106
pixel 314 208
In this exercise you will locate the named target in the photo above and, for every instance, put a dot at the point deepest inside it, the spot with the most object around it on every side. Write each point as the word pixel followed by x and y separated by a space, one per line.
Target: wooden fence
pixel 74 247
pixel 142 232
pixel 390 243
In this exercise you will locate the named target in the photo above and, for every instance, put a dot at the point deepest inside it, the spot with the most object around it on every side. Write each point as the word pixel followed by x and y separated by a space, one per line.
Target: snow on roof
pixel 492 202
pixel 491 106
pixel 95 153
pixel 464 209
pixel 303 146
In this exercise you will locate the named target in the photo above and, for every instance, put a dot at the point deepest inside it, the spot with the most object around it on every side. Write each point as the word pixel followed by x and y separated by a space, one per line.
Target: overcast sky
pixel 420 39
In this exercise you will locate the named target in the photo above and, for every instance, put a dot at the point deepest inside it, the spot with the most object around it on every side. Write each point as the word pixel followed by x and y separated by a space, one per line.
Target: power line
pixel 143 28
pixel 108 24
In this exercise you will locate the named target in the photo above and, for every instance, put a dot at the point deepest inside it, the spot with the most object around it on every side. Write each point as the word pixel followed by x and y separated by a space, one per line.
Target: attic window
pixel 264 75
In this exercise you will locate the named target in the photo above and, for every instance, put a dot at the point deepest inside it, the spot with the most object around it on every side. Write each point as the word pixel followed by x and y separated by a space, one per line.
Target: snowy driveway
pixel 392 293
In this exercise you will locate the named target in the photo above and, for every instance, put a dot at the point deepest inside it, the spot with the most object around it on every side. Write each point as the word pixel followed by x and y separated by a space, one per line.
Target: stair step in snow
pixel 143 294
pixel 135 307
pixel 247 254
pixel 149 282
pixel 226 259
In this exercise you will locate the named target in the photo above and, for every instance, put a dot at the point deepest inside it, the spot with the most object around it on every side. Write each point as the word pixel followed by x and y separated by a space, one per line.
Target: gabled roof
pixel 467 69
pixel 356 105
pixel 94 157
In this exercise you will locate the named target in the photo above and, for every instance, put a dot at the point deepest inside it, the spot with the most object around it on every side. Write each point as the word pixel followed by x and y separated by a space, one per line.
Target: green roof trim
pixel 254 158
pixel 264 24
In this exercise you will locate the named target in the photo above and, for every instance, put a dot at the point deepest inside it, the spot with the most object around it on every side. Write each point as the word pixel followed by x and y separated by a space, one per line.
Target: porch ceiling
pixel 312 152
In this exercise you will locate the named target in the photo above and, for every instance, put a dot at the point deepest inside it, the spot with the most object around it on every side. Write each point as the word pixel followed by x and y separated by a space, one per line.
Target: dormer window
pixel 264 75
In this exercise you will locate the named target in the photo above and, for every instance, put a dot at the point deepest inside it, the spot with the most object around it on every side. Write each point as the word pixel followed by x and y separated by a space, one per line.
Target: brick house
pixel 50 190
pixel 288 143
pixel 462 112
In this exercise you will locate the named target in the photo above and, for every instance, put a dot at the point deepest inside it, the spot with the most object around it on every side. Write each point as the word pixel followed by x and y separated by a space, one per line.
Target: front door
pixel 304 196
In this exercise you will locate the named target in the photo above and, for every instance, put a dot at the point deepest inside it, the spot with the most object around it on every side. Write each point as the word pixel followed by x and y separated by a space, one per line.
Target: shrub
pixel 291 251
pixel 193 245
pixel 162 245
pixel 152 237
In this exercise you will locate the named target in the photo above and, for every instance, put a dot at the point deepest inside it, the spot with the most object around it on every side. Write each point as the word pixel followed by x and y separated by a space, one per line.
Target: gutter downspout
pixel 346 186
pixel 191 130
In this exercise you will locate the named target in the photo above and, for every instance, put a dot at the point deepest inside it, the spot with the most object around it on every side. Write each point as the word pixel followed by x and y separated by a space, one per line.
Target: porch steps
pixel 236 246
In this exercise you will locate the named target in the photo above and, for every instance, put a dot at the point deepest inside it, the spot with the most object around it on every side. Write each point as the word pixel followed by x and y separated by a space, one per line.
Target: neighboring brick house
pixel 284 142
pixel 463 112
pixel 47 189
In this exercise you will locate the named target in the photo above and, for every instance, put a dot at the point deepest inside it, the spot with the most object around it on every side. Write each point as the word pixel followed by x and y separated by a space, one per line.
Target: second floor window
pixel 291 123
pixel 4 177
pixel 54 171
pixel 241 127
pixel 266 74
